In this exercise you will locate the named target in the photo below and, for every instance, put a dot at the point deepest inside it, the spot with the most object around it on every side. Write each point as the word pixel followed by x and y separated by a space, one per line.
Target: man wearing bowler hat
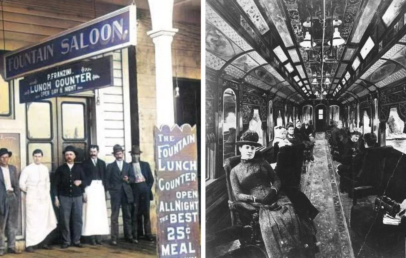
pixel 69 189
pixel 9 201
pixel 119 175
pixel 142 193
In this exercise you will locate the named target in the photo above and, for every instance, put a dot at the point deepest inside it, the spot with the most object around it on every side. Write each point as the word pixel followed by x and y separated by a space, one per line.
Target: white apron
pixel 95 221
pixel 40 215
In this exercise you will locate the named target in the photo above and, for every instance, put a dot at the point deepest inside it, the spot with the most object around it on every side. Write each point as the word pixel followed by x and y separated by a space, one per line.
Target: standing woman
pixel 41 219
pixel 253 181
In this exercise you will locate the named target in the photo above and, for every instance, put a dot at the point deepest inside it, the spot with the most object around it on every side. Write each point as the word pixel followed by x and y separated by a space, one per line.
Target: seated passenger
pixel 291 136
pixel 279 141
pixel 255 183
pixel 348 150
pixel 299 132
pixel 306 129
pixel 371 140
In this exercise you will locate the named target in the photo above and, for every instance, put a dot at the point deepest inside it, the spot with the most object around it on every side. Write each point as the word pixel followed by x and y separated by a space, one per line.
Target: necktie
pixel 94 162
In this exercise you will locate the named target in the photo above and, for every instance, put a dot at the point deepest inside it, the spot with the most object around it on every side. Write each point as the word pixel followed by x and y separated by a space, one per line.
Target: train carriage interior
pixel 335 68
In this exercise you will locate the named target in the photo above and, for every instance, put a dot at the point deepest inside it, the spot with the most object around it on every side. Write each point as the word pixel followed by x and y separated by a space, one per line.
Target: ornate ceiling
pixel 258 42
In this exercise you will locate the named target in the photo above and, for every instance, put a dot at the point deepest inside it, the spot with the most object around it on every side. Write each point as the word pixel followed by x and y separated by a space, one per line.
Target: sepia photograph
pixel 305 111
pixel 100 128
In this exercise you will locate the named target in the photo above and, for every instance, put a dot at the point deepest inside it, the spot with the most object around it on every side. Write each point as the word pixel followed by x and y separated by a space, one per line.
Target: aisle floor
pixel 320 185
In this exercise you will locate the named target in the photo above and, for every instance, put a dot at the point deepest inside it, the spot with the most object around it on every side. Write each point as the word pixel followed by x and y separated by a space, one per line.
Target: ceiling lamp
pixel 307 42
pixel 327 81
pixel 324 93
pixel 315 81
pixel 337 39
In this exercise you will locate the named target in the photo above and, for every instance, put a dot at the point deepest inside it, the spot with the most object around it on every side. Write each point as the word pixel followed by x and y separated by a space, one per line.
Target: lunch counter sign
pixel 101 35
pixel 67 79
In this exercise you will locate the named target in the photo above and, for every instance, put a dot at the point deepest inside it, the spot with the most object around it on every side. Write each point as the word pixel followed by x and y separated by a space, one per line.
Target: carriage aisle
pixel 320 185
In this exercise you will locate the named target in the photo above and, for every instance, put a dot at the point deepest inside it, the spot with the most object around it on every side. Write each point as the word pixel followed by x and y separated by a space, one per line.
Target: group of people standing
pixel 80 198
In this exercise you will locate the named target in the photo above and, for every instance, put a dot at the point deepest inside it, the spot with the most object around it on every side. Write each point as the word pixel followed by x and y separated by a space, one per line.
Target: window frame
pixel 50 116
pixel 10 113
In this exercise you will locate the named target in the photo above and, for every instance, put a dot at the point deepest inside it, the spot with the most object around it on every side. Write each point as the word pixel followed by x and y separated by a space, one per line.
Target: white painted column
pixel 162 35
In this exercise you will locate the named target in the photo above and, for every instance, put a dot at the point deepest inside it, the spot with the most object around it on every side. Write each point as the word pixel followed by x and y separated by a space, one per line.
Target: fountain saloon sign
pixel 104 34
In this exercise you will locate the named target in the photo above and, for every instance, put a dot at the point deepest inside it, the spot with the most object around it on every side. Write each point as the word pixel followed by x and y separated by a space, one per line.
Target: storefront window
pixel 4 98
pixel 395 135
pixel 73 121
pixel 46 150
pixel 39 120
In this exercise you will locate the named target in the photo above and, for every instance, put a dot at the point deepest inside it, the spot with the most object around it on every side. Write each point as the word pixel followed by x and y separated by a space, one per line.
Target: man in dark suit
pixel 142 194
pixel 69 188
pixel 9 202
pixel 118 178
pixel 95 221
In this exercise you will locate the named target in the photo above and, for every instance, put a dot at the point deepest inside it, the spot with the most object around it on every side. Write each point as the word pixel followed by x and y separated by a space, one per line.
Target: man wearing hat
pixel 69 188
pixel 9 202
pixel 95 219
pixel 142 194
pixel 119 175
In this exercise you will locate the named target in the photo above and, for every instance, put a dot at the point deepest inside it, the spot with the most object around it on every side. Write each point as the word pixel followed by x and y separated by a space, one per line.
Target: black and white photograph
pixel 305 111
pixel 99 118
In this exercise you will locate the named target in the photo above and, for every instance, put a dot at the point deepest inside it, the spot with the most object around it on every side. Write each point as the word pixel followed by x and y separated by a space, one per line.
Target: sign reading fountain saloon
pixel 68 79
pixel 104 34
pixel 178 231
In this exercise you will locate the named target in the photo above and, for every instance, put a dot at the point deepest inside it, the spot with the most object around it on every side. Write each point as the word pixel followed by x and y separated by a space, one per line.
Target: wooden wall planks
pixel 29 21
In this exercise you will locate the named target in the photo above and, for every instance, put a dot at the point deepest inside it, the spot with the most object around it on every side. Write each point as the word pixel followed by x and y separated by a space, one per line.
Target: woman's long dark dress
pixel 285 234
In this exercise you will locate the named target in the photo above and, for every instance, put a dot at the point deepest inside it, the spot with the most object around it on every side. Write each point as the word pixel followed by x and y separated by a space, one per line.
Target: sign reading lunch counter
pixel 68 79
pixel 177 204
pixel 104 34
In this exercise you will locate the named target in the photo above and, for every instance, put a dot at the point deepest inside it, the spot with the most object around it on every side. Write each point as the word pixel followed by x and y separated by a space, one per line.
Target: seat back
pixel 372 167
pixel 394 175
pixel 289 165
pixel 230 163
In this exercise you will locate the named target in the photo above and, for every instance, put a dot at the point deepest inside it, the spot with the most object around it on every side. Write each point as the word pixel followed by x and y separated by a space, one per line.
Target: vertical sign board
pixel 178 233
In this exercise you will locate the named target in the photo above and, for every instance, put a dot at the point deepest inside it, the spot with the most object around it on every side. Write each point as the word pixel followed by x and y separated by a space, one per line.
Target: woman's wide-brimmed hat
pixel 135 150
pixel 5 151
pixel 70 148
pixel 249 138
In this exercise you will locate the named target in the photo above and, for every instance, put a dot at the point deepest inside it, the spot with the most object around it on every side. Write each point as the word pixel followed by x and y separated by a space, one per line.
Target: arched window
pixel 395 135
pixel 229 123
pixel 334 113
pixel 307 114
pixel 256 125
pixel 366 123
pixel 270 122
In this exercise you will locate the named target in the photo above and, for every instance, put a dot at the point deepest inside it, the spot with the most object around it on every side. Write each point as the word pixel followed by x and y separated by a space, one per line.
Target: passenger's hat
pixel 5 151
pixel 249 138
pixel 117 148
pixel 70 148
pixel 135 150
